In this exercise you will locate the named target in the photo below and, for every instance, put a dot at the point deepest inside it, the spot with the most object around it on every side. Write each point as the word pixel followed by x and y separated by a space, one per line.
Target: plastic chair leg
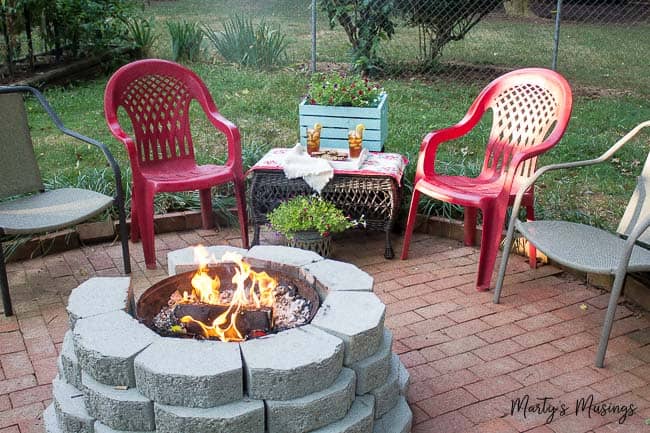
pixel 4 286
pixel 493 220
pixel 207 218
pixel 413 210
pixel 532 251
pixel 469 226
pixel 135 225
pixel 240 196
pixel 145 219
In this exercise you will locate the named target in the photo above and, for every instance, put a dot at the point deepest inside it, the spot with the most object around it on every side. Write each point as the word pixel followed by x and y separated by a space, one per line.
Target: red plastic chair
pixel 156 95
pixel 526 104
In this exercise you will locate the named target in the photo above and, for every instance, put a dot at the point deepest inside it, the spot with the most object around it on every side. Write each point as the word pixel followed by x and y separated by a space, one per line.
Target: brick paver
pixel 473 364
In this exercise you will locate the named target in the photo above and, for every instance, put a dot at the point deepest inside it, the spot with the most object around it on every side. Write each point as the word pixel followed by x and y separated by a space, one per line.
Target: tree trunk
pixel 9 47
pixel 30 41
pixel 518 8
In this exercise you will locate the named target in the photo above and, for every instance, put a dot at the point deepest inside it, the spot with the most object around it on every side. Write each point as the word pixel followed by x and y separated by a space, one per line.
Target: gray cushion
pixel 582 247
pixel 50 210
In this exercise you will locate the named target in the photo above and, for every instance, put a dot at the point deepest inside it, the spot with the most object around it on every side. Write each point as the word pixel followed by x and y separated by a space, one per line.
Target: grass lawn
pixel 265 105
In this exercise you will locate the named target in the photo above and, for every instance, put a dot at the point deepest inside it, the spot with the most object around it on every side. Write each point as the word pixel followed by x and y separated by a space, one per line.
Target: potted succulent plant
pixel 307 222
pixel 339 103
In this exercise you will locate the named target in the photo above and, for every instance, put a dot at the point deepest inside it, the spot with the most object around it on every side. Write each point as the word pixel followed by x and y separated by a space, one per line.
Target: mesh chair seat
pixel 582 247
pixel 51 210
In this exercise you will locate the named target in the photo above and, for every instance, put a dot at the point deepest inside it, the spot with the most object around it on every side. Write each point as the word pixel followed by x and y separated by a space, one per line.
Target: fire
pixel 253 290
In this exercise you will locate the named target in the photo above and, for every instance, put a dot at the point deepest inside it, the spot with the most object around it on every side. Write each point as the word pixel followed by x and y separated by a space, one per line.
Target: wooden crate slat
pixel 337 121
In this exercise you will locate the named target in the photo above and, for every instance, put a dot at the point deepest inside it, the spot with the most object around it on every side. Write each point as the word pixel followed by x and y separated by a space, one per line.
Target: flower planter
pixel 312 241
pixel 337 121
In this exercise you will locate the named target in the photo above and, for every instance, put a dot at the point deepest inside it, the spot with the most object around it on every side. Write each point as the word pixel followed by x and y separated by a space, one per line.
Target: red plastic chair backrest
pixel 526 104
pixel 156 95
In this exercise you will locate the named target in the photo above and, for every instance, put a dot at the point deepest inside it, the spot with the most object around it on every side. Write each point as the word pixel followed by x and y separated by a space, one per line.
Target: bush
pixel 73 27
pixel 261 47
pixel 87 26
pixel 186 40
pixel 366 24
pixel 141 32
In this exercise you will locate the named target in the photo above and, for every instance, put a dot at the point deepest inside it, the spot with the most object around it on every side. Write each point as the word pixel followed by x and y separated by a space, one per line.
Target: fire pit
pixel 226 300
pixel 282 341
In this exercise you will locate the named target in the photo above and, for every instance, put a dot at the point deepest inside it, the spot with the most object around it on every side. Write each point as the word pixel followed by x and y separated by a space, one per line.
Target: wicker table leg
pixel 256 235
pixel 388 252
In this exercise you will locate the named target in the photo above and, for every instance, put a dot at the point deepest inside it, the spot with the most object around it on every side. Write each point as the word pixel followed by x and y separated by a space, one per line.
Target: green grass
pixel 264 104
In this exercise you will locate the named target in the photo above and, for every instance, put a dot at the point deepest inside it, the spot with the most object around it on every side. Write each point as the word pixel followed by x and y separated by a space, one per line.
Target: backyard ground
pixel 604 64
pixel 468 358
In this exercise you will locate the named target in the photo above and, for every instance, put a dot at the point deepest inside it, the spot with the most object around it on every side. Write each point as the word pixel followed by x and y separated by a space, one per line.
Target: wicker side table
pixel 377 198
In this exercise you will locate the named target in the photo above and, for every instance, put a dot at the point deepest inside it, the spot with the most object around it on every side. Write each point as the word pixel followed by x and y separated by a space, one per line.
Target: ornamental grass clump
pixel 343 90
pixel 309 213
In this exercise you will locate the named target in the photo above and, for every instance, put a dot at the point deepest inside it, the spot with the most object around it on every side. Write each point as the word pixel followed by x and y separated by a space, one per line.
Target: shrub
pixel 343 90
pixel 87 26
pixel 186 40
pixel 141 32
pixel 241 42
pixel 366 24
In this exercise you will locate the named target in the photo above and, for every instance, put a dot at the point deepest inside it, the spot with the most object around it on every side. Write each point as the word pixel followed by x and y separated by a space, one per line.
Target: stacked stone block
pixel 336 375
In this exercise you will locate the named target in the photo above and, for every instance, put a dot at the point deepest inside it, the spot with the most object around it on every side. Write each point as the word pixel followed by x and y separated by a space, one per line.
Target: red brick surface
pixel 468 358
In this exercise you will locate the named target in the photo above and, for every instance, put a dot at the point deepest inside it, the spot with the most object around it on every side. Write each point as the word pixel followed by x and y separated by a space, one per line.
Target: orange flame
pixel 260 293
pixel 206 287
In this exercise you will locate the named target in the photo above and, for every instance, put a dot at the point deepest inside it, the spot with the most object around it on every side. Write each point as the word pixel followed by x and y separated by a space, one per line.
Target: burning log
pixel 250 322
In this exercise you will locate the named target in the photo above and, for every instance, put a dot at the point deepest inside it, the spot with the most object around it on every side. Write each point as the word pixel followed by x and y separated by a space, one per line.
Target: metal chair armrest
pixel 574 164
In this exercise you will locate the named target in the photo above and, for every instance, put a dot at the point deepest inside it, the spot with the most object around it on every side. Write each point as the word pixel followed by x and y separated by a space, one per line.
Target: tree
pixel 443 21
pixel 366 23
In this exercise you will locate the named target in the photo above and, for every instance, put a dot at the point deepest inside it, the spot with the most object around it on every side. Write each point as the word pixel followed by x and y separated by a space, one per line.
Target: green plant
pixel 142 33
pixel 241 42
pixel 186 40
pixel 343 90
pixel 89 26
pixel 309 213
pixel 366 23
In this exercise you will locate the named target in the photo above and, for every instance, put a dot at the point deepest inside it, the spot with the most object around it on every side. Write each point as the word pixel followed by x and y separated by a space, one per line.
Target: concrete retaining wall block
pixel 190 373
pixel 119 409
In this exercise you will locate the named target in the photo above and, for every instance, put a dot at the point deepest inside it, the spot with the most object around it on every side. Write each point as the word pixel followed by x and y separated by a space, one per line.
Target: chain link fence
pixel 601 46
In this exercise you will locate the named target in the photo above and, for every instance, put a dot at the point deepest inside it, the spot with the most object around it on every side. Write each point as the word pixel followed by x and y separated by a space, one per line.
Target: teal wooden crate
pixel 337 121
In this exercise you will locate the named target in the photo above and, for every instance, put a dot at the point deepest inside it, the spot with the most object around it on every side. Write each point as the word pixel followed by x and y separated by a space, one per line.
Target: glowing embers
pixel 226 300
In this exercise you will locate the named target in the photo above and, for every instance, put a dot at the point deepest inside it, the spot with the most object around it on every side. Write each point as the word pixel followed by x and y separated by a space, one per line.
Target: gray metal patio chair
pixel 587 248
pixel 25 207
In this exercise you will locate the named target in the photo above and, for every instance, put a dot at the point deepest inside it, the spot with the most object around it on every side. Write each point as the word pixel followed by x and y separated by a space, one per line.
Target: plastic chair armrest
pixel 233 137
pixel 430 143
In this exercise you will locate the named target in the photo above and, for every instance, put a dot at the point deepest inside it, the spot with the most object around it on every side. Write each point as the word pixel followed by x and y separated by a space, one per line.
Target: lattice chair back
pixel 156 95
pixel 20 172
pixel 531 109
pixel 638 207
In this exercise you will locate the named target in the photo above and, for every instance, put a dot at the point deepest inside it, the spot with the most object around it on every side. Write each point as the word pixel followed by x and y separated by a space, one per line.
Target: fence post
pixel 556 35
pixel 313 36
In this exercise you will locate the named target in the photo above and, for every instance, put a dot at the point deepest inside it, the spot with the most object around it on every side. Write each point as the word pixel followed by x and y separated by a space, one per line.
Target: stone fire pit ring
pixel 335 375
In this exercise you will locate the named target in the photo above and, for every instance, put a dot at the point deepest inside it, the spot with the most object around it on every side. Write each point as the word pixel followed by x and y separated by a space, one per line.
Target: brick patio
pixel 467 357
